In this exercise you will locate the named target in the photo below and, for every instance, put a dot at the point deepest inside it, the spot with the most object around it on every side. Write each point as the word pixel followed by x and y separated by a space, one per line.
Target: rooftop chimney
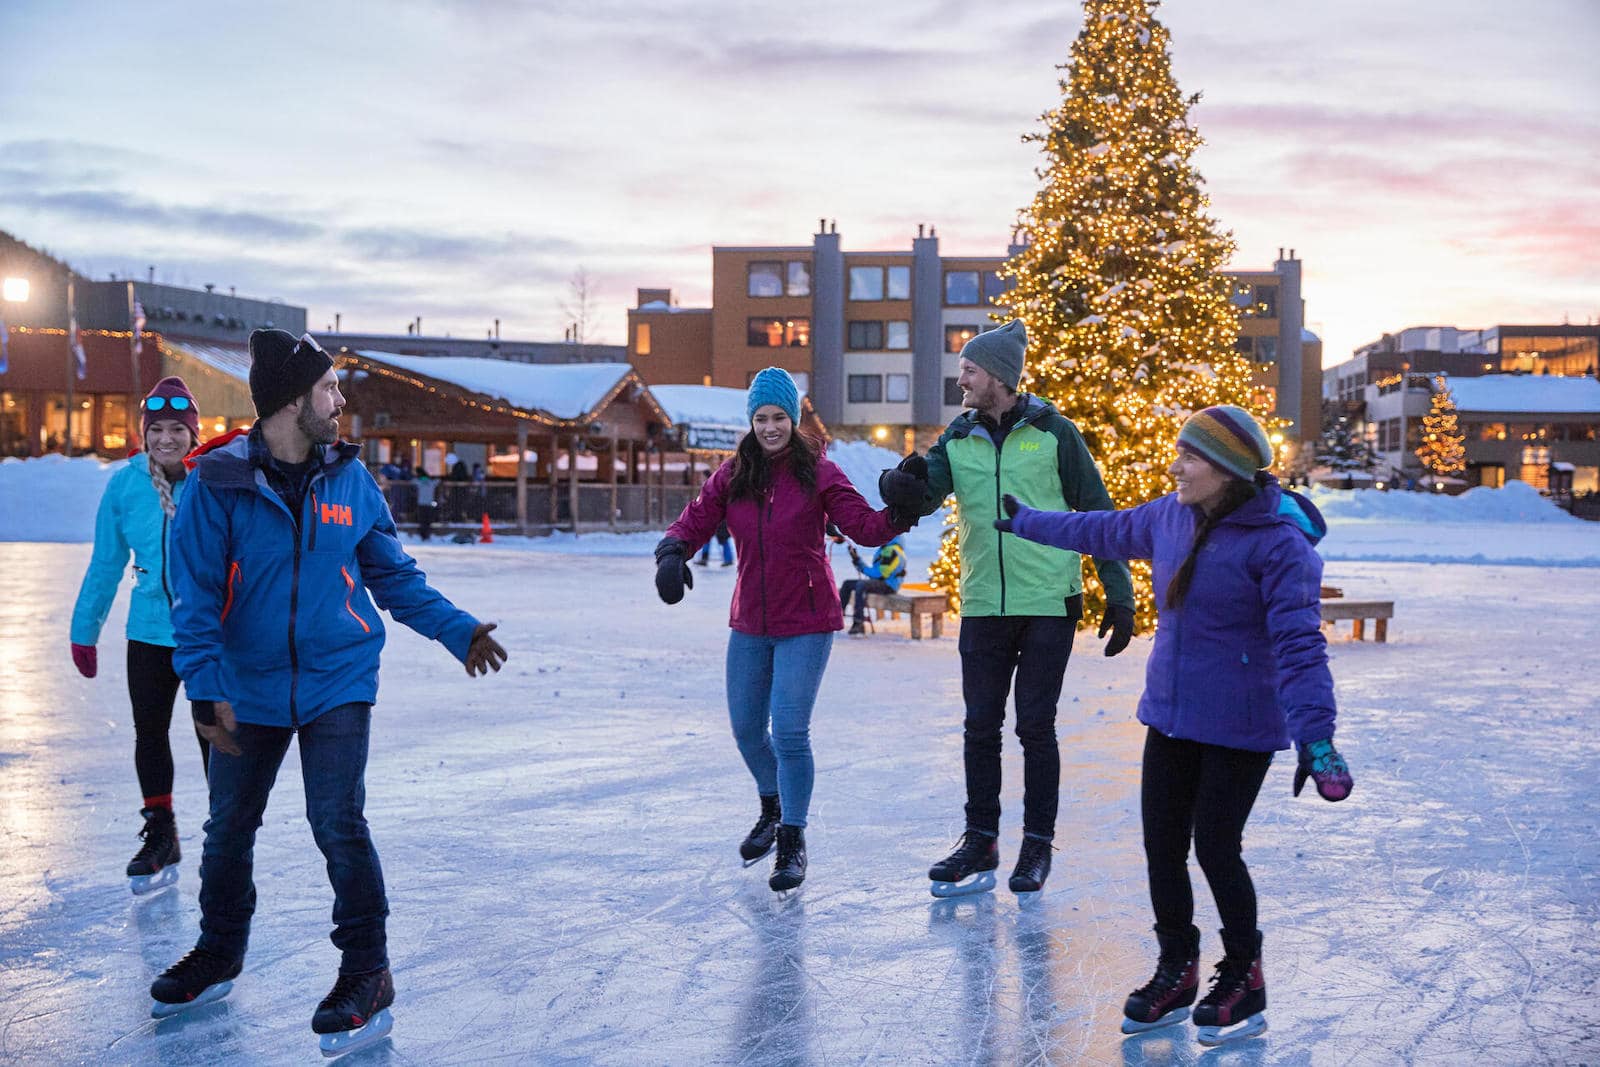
pixel 920 227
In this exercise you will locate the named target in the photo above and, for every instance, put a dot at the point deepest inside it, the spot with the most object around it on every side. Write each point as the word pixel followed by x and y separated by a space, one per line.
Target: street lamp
pixel 14 290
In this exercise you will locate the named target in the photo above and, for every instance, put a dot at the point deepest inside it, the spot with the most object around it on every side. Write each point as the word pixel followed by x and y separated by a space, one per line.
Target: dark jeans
pixel 425 515
pixel 1191 789
pixel 153 688
pixel 333 762
pixel 859 588
pixel 1035 649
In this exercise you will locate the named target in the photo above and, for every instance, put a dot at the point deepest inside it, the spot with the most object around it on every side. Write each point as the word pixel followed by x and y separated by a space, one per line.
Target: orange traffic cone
pixel 487 536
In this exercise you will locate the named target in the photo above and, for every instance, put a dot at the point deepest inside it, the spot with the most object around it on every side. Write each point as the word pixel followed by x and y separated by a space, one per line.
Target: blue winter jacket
pixel 888 564
pixel 130 519
pixel 1243 662
pixel 277 619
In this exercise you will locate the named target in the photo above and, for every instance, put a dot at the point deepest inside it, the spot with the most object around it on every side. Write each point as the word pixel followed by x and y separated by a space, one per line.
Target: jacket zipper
pixel 294 657
pixel 165 588
pixel 1000 513
pixel 761 542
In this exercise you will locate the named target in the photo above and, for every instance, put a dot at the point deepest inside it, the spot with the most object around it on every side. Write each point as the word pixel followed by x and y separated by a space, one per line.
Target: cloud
pixel 122 209
pixel 1321 125
pixel 438 247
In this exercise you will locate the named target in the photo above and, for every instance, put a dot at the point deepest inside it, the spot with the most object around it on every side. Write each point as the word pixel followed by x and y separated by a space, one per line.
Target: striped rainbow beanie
pixel 1230 439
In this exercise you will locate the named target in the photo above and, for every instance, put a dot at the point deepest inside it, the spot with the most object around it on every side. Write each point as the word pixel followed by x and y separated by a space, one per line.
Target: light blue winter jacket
pixel 130 519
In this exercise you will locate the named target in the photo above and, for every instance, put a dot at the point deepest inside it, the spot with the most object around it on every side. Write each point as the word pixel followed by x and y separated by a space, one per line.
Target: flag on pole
pixel 5 336
pixel 138 329
pixel 77 348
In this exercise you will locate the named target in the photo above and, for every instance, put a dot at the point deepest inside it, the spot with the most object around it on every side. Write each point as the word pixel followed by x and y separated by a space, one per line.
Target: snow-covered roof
pixel 232 360
pixel 703 405
pixel 671 309
pixel 562 390
pixel 1544 394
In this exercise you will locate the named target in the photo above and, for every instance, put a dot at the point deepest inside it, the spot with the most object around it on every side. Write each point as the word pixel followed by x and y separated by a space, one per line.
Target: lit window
pixel 866 283
pixel 957 336
pixel 641 339
pixel 778 332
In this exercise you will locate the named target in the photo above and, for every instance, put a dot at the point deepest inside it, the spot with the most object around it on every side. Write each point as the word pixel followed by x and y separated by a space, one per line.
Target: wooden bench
pixel 917 602
pixel 1358 612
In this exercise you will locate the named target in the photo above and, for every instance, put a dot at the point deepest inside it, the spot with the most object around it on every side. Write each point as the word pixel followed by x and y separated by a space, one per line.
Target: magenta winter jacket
pixel 784 586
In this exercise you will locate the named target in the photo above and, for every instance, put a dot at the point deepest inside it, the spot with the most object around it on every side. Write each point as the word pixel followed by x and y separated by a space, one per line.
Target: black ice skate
pixel 155 865
pixel 758 842
pixel 1235 1007
pixel 355 1013
pixel 199 978
pixel 1033 867
pixel 969 869
pixel 1165 999
pixel 858 628
pixel 789 868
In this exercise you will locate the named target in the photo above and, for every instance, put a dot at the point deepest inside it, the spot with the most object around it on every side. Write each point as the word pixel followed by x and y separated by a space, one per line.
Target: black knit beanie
pixel 282 369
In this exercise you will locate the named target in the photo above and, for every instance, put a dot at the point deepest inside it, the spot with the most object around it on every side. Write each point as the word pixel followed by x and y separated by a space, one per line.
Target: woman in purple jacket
pixel 776 494
pixel 1239 668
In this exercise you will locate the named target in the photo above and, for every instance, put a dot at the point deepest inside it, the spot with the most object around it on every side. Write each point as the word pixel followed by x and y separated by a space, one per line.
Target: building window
pixel 994 286
pixel 952 393
pixel 1265 305
pixel 113 424
pixel 1266 349
pixel 765 278
pixel 961 287
pixel 866 283
pixel 866 388
pixel 897 335
pixel 778 333
pixel 899 283
pixel 799 274
pixel 898 388
pixel 866 335
pixel 641 339
pixel 957 336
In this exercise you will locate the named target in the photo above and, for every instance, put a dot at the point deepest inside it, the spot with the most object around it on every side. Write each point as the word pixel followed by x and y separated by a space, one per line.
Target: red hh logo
pixel 337 513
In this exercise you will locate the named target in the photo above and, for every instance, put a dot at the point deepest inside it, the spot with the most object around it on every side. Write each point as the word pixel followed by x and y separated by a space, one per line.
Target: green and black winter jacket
pixel 1042 461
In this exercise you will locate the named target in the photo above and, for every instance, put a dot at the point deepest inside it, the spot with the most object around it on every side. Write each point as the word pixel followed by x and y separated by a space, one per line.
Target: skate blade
pixel 1028 898
pixel 1212 1036
pixel 982 882
pixel 142 884
pixel 347 1041
pixel 211 994
pixel 1171 1018
pixel 753 860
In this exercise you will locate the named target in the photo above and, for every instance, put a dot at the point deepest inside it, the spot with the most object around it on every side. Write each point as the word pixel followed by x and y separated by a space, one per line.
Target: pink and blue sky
pixel 1432 162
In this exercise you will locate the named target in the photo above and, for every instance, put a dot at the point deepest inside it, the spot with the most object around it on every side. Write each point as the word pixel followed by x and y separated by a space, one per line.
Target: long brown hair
pixel 1237 493
pixel 752 468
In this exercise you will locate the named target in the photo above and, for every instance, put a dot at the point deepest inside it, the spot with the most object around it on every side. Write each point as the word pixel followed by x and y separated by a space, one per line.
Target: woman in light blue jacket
pixel 135 517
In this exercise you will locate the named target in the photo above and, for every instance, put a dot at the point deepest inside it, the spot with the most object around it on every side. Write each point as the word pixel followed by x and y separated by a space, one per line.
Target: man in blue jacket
pixel 277 545
pixel 883 575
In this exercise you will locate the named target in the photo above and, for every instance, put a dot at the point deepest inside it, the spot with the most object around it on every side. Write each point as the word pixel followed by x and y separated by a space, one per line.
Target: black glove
pixel 672 573
pixel 1012 506
pixel 1119 620
pixel 904 487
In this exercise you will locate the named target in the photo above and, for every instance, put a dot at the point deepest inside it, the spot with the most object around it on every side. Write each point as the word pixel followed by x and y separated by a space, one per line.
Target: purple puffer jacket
pixel 784 587
pixel 1243 662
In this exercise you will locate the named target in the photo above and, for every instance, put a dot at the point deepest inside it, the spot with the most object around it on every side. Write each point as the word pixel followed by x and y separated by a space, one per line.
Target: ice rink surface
pixel 559 843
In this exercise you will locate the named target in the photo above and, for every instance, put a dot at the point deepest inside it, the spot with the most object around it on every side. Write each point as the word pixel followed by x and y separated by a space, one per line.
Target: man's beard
pixel 322 431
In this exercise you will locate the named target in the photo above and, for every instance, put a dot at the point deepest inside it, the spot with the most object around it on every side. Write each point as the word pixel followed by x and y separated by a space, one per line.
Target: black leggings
pixel 153 688
pixel 1206 792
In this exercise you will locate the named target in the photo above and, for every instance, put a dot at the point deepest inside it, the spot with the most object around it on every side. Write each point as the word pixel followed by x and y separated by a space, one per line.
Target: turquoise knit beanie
pixel 774 386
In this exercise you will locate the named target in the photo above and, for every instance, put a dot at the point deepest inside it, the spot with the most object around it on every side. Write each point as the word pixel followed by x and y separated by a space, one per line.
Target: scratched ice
pixel 559 845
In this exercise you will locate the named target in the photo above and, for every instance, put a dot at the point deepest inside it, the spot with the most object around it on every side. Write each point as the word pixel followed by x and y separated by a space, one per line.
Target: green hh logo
pixel 1027 446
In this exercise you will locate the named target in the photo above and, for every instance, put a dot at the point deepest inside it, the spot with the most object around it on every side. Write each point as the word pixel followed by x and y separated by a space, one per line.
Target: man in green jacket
pixel 1020 601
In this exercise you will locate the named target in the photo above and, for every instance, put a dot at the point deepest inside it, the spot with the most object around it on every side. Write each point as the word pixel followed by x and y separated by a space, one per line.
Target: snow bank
pixel 52 498
pixel 1517 502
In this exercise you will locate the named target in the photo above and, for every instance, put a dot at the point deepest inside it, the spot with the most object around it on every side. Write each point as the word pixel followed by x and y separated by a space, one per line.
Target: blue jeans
pixel 774 680
pixel 333 762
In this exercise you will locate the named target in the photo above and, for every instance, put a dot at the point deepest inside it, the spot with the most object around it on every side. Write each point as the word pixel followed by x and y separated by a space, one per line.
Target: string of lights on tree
pixel 1130 323
pixel 1443 451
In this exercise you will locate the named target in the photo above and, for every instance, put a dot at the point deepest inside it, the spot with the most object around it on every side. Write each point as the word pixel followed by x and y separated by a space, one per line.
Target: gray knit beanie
pixel 1000 352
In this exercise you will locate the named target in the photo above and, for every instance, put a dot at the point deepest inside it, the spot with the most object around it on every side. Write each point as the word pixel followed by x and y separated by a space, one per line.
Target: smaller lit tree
pixel 1442 451
pixel 1343 444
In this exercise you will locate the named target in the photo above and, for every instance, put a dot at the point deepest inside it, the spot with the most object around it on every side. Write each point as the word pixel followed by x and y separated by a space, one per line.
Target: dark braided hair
pixel 1237 493
pixel 752 469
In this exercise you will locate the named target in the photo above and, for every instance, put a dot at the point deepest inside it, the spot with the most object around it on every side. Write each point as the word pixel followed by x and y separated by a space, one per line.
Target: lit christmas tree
pixel 1343 445
pixel 1442 451
pixel 1130 324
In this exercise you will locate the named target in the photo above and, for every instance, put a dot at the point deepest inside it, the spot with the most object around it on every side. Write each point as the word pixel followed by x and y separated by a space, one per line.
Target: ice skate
pixel 758 842
pixel 155 865
pixel 1033 867
pixel 1235 1007
pixel 199 978
pixel 969 869
pixel 858 628
pixel 1166 998
pixel 789 867
pixel 355 1013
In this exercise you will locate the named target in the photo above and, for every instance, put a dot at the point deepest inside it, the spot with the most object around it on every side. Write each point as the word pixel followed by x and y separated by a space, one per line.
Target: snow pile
pixel 1517 502
pixel 52 498
pixel 564 390
pixel 862 462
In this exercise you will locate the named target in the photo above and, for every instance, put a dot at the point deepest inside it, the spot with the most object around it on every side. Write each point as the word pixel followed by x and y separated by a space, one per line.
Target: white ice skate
pixel 143 884
pixel 344 1042
pixel 210 995
pixel 1212 1036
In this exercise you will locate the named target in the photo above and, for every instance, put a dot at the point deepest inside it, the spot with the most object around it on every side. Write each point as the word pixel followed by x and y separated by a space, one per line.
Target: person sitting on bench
pixel 883 575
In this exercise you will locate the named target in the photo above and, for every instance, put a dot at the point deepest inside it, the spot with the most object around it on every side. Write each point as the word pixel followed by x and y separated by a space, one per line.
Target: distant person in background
pixel 425 504
pixel 724 541
pixel 135 516
pixel 883 575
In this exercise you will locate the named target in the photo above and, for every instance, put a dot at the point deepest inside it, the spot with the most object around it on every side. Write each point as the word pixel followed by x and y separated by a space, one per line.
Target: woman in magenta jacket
pixel 1238 670
pixel 776 494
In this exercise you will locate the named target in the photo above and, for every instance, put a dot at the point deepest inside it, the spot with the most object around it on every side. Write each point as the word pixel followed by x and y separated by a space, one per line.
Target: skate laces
pixel 1230 977
pixel 197 963
pixel 346 987
pixel 153 846
pixel 973 845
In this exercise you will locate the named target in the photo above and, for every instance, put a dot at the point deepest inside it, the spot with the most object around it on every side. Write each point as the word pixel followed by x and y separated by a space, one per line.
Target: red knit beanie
pixel 168 389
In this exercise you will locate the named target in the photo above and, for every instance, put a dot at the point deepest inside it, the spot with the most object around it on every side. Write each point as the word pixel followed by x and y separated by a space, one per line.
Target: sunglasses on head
pixel 176 403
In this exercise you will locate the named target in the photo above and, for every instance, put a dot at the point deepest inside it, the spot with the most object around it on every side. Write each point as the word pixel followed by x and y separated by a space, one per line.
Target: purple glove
pixel 86 660
pixel 1321 762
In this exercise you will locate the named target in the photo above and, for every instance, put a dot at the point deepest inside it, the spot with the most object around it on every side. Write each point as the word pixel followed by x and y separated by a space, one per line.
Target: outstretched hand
pixel 904 486
pixel 672 572
pixel 1118 621
pixel 485 653
pixel 1011 505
